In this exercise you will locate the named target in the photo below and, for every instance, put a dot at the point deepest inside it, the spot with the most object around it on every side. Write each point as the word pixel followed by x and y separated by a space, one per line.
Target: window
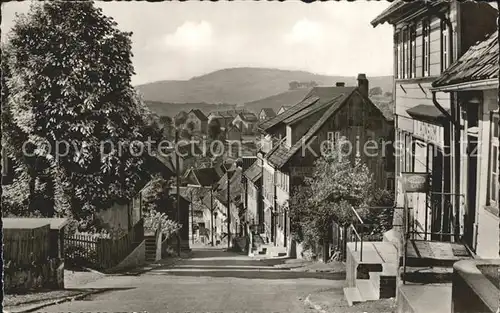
pixel 445 58
pixel 413 52
pixel 405 57
pixel 333 137
pixel 399 56
pixel 396 56
pixel 493 179
pixel 425 48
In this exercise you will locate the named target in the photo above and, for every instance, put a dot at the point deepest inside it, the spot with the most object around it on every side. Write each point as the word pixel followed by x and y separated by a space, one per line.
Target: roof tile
pixel 480 62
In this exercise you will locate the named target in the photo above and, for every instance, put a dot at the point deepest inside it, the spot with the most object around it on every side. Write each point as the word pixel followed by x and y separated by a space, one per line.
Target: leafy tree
pixel 338 184
pixel 190 126
pixel 180 119
pixel 294 85
pixel 214 129
pixel 156 195
pixel 388 94
pixel 70 80
pixel 375 91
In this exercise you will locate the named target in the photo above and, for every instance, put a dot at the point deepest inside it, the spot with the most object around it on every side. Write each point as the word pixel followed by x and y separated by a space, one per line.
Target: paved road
pixel 210 281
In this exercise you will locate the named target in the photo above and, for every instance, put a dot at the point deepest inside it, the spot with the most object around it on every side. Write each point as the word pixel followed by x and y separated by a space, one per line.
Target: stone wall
pixel 49 275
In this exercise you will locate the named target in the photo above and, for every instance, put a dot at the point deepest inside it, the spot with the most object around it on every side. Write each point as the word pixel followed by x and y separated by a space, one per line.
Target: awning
pixel 426 113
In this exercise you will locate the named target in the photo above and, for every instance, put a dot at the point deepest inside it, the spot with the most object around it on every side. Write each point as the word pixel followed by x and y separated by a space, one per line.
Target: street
pixel 211 280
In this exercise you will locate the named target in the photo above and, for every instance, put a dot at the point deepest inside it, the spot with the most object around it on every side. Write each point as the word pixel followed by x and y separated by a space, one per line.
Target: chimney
pixel 363 84
pixel 340 84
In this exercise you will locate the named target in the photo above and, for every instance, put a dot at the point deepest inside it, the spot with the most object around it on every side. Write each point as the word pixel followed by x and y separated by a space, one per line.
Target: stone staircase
pixel 260 247
pixel 374 276
pixel 150 248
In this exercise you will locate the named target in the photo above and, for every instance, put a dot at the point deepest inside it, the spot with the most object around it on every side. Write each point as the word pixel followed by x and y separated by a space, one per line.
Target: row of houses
pixel 244 121
pixel 325 114
pixel 443 125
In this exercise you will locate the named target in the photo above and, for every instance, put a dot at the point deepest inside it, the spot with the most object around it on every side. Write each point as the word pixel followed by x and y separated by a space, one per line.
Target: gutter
pixel 477 85
pixel 454 119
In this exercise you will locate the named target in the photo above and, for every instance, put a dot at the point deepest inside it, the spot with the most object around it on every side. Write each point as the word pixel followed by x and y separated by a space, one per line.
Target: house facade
pixel 473 81
pixel 266 113
pixel 428 38
pixel 233 133
pixel 197 120
pixel 246 122
pixel 325 115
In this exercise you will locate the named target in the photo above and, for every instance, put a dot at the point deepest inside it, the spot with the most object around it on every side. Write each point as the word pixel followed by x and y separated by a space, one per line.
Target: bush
pixel 79 256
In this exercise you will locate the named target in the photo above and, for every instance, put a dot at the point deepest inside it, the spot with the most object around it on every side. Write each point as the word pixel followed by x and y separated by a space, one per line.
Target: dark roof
pixel 401 9
pixel 254 172
pixel 227 114
pixel 480 62
pixel 266 125
pixel 203 176
pixel 248 117
pixel 235 187
pixel 188 150
pixel 322 104
pixel 247 162
pixel 285 107
pixel 269 112
pixel 199 114
pixel 427 113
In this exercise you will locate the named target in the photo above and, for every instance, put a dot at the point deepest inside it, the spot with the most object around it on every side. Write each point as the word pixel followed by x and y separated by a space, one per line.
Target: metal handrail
pixel 363 226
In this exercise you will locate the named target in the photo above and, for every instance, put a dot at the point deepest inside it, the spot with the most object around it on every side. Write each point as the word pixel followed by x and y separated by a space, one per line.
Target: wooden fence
pixel 24 246
pixel 105 253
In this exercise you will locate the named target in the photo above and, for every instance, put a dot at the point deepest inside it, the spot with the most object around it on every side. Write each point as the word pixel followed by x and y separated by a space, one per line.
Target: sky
pixel 179 40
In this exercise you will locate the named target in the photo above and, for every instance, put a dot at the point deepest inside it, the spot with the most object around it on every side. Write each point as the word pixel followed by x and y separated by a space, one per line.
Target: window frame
pixel 493 172
pixel 426 31
pixel 413 51
pixel 405 57
pixel 445 47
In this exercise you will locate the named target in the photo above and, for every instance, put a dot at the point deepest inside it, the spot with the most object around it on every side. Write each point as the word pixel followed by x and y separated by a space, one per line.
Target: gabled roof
pixel 282 154
pixel 199 114
pixel 254 172
pixel 401 9
pixel 285 107
pixel 268 124
pixel 235 187
pixel 248 117
pixel 203 176
pixel 319 105
pixel 269 112
pixel 479 63
pixel 227 114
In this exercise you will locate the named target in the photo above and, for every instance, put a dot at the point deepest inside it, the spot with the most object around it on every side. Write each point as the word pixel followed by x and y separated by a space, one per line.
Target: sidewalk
pixel 332 301
pixel 311 266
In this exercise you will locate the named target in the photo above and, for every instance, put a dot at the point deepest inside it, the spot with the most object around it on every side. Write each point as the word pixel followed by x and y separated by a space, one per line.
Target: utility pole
pixel 228 210
pixel 212 214
pixel 178 182
pixel 192 218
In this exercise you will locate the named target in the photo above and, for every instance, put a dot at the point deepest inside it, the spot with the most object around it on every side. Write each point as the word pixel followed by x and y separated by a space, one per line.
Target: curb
pixel 313 305
pixel 142 270
pixel 58 301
